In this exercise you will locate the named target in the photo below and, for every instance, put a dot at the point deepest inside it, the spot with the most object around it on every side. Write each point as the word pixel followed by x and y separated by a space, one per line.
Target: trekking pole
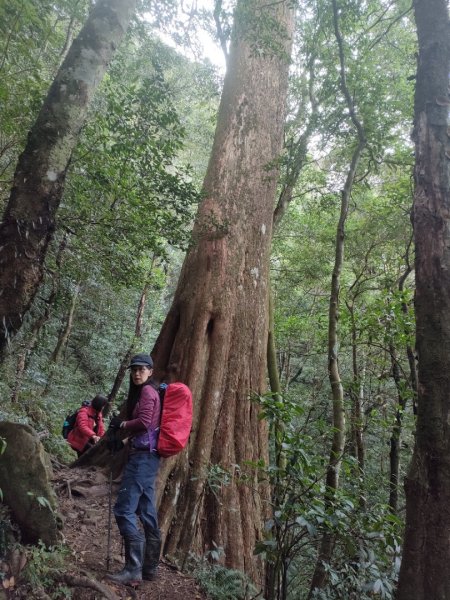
pixel 108 543
pixel 113 446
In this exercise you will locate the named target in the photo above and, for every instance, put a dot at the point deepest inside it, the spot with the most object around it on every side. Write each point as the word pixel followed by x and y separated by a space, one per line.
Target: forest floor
pixel 83 497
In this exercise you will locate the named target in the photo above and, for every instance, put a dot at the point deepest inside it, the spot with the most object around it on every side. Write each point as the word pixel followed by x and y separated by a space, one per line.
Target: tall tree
pixel 426 554
pixel 28 222
pixel 215 335
pixel 34 38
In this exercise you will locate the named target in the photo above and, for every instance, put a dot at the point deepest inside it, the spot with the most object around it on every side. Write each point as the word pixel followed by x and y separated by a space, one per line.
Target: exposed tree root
pixel 85 582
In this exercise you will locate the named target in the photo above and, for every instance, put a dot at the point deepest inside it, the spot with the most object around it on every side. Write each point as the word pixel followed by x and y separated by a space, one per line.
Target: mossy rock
pixel 25 473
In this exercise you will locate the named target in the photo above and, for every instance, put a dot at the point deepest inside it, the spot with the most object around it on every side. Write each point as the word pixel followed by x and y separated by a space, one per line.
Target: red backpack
pixel 176 418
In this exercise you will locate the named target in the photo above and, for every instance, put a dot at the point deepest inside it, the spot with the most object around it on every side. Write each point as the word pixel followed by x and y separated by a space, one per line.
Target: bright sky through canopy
pixel 190 37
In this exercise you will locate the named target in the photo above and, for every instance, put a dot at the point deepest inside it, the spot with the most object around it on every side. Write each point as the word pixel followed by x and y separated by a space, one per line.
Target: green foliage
pixel 41 501
pixel 223 584
pixel 131 195
pixel 366 561
pixel 217 478
pixel 261 28
pixel 388 316
pixel 367 537
pixel 44 567
pixel 32 38
pixel 127 196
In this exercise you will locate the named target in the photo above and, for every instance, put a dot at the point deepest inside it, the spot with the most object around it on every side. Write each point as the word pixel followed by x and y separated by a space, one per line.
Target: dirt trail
pixel 83 504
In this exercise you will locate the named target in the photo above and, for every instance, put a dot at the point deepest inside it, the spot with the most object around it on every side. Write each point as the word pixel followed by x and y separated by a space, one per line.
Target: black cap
pixel 141 360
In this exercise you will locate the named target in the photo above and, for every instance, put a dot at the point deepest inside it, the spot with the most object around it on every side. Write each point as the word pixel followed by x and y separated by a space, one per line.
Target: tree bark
pixel 424 571
pixel 29 220
pixel 215 335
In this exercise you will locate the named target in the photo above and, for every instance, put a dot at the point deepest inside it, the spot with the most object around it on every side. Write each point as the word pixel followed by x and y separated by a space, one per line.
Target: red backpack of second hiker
pixel 176 418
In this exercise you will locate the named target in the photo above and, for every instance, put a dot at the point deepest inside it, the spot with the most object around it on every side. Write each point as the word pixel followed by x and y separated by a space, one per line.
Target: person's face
pixel 140 374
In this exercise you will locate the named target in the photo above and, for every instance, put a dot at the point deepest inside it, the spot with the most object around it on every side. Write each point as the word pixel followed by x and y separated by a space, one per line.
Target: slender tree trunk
pixel 137 336
pixel 357 396
pixel 413 376
pixel 215 335
pixel 424 572
pixel 394 453
pixel 356 427
pixel 67 42
pixel 66 329
pixel 29 220
pixel 287 368
pixel 337 392
pixel 61 343
pixel 404 389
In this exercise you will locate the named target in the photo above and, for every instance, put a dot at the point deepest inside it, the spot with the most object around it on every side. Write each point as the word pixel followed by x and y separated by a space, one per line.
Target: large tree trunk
pixel 424 572
pixel 29 219
pixel 215 335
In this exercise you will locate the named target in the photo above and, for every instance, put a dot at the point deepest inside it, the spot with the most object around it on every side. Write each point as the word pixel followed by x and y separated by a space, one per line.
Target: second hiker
pixel 89 427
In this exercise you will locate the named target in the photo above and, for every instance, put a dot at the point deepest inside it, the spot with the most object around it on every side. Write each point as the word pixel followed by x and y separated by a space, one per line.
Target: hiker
pixel 89 427
pixel 136 495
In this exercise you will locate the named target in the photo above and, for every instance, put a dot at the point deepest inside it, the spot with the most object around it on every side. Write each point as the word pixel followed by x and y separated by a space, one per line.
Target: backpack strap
pixel 162 388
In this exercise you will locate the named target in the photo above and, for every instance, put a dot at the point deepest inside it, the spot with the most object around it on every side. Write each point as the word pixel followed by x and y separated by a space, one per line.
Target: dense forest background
pixel 124 223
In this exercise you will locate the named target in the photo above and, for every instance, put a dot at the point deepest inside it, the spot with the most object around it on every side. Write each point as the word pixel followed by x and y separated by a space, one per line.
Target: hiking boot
pixel 152 551
pixel 131 574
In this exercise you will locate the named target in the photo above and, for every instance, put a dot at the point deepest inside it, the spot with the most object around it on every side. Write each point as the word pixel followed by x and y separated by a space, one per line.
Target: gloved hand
pixel 113 442
pixel 115 423
pixel 114 445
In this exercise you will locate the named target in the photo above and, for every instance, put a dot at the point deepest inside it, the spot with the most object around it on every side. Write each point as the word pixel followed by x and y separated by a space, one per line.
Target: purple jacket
pixel 145 418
